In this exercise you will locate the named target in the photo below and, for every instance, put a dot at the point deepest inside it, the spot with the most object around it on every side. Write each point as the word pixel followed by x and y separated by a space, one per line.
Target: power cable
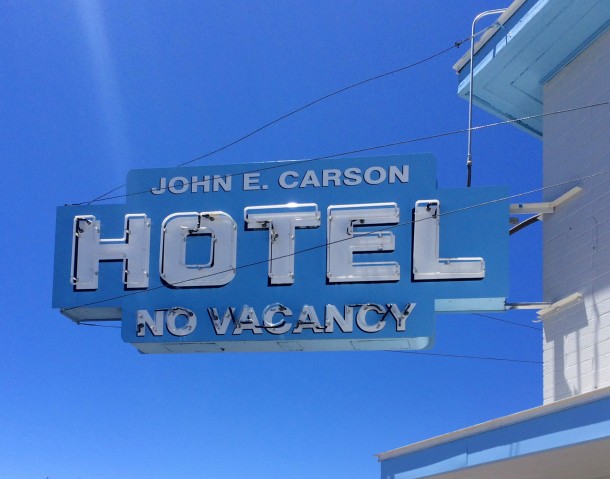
pixel 457 356
pixel 377 147
pixel 83 323
pixel 509 322
pixel 244 137
pixel 463 356
pixel 326 244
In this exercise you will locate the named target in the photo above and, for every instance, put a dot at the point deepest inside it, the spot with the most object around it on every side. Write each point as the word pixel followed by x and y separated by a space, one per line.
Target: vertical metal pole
pixel 471 88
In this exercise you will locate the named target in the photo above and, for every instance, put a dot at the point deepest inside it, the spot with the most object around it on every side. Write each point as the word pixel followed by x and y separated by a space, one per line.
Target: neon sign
pixel 329 255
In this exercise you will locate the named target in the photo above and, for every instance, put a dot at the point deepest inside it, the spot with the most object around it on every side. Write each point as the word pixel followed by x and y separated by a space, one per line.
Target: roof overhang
pixel 561 440
pixel 535 39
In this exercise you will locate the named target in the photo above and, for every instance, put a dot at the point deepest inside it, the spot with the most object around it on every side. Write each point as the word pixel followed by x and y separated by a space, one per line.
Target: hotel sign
pixel 341 254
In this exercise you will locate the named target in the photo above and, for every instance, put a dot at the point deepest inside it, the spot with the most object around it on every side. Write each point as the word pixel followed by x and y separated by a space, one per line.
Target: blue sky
pixel 92 90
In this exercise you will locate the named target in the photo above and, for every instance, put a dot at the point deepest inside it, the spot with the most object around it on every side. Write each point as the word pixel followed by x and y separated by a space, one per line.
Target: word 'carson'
pixel 348 233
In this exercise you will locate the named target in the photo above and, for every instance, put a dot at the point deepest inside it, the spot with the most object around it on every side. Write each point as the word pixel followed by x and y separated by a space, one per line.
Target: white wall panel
pixel 577 238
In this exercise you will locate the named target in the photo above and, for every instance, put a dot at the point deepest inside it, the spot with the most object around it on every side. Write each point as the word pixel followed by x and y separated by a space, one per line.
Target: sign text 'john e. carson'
pixel 315 255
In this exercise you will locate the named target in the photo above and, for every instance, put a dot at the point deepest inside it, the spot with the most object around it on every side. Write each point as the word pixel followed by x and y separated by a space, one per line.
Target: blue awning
pixel 562 440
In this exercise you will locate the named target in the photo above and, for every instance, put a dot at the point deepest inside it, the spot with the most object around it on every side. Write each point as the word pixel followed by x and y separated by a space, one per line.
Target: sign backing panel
pixel 338 254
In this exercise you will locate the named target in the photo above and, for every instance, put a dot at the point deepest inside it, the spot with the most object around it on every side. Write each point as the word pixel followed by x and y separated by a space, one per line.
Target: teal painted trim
pixel 458 305
pixel 500 39
pixel 510 71
pixel 577 51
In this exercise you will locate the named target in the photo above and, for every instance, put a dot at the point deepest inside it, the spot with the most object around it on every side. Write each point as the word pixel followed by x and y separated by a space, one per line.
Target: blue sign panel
pixel 340 254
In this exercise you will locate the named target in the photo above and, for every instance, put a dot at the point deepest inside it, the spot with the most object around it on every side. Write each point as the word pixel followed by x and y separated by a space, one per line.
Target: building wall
pixel 577 237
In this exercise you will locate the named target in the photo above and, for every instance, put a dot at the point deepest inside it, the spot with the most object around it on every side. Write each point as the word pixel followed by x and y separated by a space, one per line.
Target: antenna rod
pixel 469 157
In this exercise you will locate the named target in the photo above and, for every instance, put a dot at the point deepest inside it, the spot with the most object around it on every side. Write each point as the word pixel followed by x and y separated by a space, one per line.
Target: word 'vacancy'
pixel 369 318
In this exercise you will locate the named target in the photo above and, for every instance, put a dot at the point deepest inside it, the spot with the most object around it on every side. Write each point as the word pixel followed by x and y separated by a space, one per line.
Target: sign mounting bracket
pixel 540 209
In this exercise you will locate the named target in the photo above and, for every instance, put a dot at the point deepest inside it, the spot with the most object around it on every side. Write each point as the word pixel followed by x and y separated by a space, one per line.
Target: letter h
pixel 88 249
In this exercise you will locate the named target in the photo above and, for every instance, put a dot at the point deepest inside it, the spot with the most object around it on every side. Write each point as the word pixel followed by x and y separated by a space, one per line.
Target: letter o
pixel 368 177
pixel 185 330
pixel 181 189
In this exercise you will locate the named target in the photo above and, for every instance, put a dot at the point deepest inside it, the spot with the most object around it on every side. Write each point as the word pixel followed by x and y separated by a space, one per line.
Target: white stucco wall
pixel 577 237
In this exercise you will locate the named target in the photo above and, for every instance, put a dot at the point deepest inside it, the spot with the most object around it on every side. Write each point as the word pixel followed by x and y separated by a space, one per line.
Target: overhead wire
pixel 446 355
pixel 509 322
pixel 88 323
pixel 326 244
pixel 257 130
pixel 463 356
pixel 456 356
pixel 378 147
pixel 457 44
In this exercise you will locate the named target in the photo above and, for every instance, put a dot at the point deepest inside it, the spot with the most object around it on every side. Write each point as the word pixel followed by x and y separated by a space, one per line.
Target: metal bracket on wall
pixel 511 306
pixel 560 305
pixel 540 209
pixel 546 308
